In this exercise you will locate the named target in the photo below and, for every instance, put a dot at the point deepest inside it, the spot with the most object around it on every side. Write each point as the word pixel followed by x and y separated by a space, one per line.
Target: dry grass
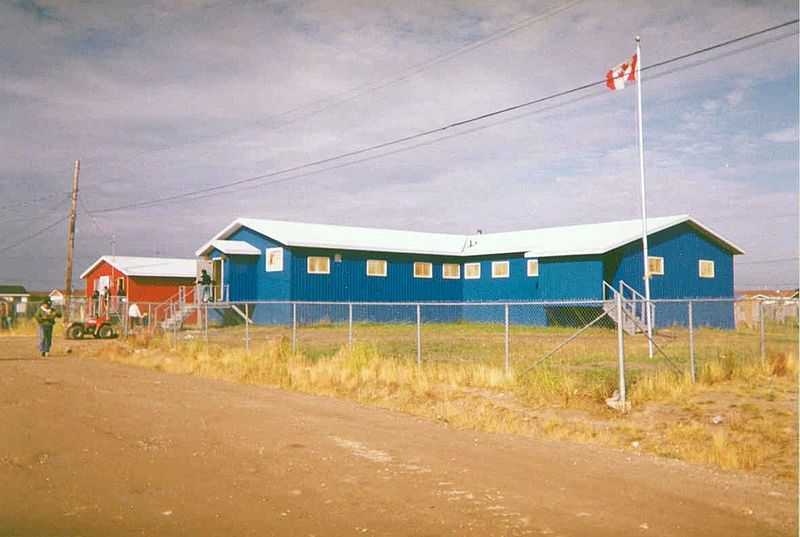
pixel 28 328
pixel 672 416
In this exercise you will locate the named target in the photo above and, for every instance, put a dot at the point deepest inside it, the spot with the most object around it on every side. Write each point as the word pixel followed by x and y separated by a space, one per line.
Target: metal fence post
pixel 247 327
pixel 294 327
pixel 691 344
pixel 419 336
pixel 174 327
pixel 621 351
pixel 350 326
pixel 206 325
pixel 763 338
pixel 508 365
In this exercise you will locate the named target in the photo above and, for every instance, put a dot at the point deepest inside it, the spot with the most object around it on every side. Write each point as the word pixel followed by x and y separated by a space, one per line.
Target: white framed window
pixel 655 265
pixel 451 271
pixel 706 268
pixel 472 271
pixel 423 270
pixel 500 269
pixel 533 267
pixel 319 265
pixel 376 267
pixel 274 259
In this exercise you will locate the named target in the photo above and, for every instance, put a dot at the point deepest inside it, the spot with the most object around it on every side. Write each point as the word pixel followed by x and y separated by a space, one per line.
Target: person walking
pixel 46 317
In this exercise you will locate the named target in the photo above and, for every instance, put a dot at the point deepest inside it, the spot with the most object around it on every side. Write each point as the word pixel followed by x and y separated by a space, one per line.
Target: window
pixel 337 258
pixel 376 267
pixel 706 268
pixel 120 286
pixel 274 259
pixel 655 266
pixel 451 271
pixel 423 270
pixel 319 265
pixel 472 271
pixel 533 267
pixel 500 269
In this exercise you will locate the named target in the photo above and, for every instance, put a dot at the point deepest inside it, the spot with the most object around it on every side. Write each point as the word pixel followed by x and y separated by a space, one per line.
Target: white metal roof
pixel 345 237
pixel 163 267
pixel 586 239
pixel 235 247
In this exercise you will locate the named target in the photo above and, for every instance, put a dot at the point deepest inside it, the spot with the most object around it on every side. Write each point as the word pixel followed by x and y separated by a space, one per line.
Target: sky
pixel 159 98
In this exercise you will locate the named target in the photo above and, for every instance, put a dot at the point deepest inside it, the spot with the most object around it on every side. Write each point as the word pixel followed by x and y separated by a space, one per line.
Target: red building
pixel 143 280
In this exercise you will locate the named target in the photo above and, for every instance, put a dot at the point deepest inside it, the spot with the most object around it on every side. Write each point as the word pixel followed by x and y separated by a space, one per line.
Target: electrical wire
pixel 370 85
pixel 439 130
pixel 33 235
pixel 25 203
pixel 769 261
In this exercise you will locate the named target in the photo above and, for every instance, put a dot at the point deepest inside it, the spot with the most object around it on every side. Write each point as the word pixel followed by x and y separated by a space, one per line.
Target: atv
pixel 99 327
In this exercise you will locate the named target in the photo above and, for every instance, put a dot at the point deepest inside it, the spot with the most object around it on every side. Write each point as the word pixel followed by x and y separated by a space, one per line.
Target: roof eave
pixel 222 235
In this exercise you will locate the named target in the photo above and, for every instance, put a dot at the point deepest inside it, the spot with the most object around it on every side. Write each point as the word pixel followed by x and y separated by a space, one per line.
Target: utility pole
pixel 71 241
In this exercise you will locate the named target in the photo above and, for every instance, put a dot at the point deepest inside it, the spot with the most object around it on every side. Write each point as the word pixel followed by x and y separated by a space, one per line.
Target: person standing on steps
pixel 205 283
pixel 46 317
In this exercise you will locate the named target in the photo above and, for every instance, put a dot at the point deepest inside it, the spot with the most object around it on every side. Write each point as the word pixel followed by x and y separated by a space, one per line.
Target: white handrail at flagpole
pixel 644 205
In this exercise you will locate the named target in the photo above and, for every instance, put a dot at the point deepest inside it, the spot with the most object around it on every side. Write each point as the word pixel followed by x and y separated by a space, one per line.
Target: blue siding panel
pixel 560 278
pixel 681 247
pixel 348 280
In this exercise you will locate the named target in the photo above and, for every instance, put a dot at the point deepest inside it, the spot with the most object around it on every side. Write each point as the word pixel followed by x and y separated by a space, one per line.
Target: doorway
pixel 218 276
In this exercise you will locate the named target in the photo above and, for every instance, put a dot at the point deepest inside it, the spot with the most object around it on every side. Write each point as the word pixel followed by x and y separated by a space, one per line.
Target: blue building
pixel 267 260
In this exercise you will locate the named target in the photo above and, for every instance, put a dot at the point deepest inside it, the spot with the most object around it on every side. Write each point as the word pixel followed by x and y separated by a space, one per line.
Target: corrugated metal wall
pixel 560 278
pixel 681 247
pixel 348 280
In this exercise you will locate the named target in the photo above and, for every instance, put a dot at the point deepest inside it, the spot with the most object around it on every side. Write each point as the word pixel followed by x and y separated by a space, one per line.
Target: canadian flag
pixel 626 71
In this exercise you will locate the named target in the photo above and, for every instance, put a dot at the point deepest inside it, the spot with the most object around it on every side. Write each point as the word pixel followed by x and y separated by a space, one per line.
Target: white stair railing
pixel 633 304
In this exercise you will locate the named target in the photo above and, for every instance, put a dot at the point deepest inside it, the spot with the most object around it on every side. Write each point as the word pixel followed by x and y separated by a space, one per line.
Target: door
pixel 218 275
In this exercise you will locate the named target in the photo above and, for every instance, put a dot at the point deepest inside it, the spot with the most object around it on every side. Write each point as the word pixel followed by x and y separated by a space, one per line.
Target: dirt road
pixel 91 448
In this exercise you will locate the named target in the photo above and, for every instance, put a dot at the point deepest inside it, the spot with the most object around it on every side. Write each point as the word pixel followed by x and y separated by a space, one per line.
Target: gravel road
pixel 89 449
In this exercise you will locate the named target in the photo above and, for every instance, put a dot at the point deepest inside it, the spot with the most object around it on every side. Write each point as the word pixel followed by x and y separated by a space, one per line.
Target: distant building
pixel 268 260
pixel 56 297
pixel 780 306
pixel 15 299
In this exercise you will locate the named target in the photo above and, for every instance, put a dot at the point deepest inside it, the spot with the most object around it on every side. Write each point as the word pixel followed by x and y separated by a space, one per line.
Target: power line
pixel 32 201
pixel 430 132
pixel 769 261
pixel 34 235
pixel 376 83
pixel 43 212
pixel 109 236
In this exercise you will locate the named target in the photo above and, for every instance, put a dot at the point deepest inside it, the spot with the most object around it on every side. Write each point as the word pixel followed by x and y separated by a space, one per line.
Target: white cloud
pixel 783 136
pixel 210 81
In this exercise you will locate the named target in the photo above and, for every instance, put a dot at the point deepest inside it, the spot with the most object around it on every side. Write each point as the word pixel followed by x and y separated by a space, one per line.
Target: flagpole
pixel 644 205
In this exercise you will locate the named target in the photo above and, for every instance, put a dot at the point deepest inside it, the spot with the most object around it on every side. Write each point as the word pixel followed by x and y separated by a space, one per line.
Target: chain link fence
pixel 513 335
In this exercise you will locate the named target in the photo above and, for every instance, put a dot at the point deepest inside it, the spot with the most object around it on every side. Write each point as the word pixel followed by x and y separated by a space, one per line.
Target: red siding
pixel 148 289
pixel 139 288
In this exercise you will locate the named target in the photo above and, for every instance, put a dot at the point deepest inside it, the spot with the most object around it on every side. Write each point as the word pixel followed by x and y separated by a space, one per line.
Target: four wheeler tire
pixel 105 332
pixel 75 332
